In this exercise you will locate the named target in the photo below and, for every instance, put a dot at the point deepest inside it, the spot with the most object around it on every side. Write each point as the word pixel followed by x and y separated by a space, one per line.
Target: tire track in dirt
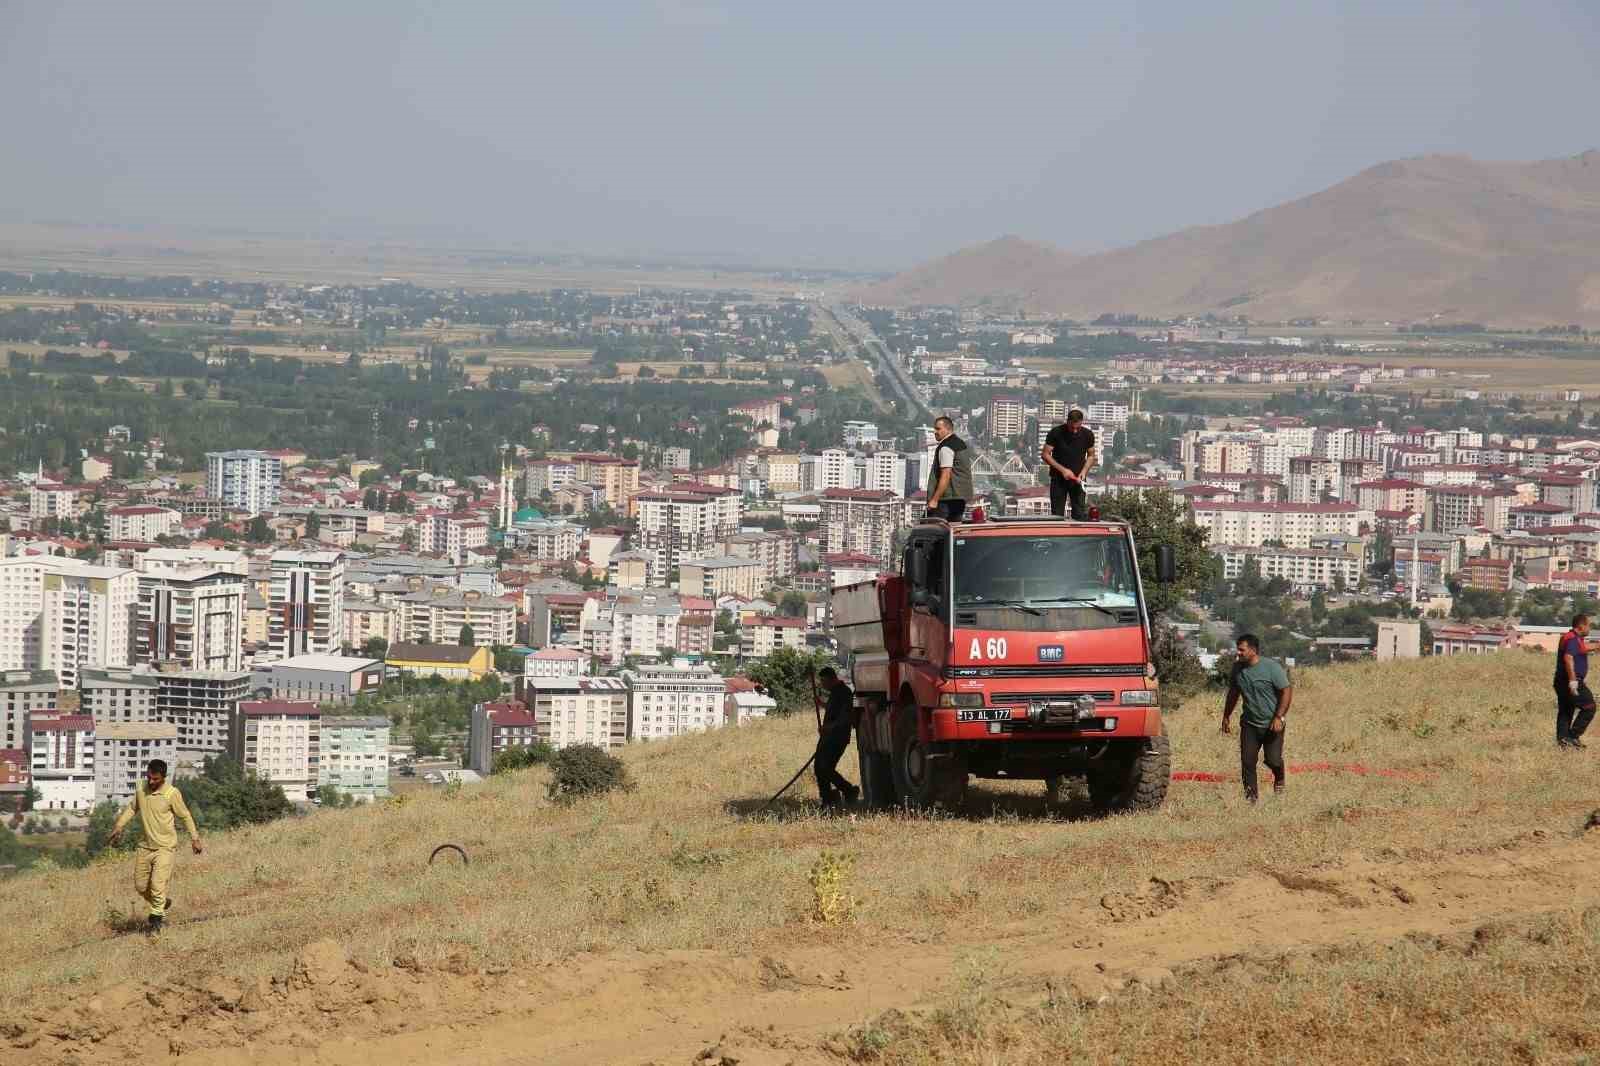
pixel 786 1006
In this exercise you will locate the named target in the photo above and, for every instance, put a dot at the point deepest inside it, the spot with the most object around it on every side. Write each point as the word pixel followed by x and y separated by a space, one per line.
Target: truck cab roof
pixel 1030 524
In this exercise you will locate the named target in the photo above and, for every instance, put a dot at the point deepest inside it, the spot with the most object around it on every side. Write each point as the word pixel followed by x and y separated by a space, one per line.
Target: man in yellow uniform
pixel 158 805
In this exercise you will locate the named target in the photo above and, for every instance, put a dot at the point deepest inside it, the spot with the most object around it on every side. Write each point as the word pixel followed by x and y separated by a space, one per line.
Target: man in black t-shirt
pixel 833 737
pixel 1066 451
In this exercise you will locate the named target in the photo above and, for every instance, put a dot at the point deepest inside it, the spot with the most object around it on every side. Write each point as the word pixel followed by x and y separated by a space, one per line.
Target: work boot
pixel 154 928
pixel 851 794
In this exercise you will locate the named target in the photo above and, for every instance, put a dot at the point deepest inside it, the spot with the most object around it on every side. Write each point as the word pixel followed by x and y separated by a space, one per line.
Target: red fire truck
pixel 1015 648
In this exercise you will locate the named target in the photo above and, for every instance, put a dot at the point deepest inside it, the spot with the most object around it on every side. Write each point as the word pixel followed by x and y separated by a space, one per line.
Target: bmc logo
pixel 1050 653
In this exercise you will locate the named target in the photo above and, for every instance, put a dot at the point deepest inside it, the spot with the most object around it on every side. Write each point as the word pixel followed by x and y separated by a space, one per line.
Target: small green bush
pixel 536 754
pixel 586 770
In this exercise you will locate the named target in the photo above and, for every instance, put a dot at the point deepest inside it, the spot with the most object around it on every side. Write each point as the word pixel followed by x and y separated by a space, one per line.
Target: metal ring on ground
pixel 450 847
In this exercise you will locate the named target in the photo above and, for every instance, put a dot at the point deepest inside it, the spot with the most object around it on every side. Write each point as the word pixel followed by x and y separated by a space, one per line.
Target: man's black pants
pixel 1573 713
pixel 1259 741
pixel 830 783
pixel 951 510
pixel 1063 491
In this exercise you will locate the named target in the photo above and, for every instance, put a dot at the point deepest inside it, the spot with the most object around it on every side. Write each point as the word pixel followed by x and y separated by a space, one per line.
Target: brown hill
pixel 1437 236
pixel 1003 274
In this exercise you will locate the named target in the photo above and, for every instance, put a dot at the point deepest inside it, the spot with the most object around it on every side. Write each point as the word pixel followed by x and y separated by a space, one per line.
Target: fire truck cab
pixel 1015 648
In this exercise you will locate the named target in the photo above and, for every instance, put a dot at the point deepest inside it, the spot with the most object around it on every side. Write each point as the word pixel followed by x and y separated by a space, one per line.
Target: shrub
pixel 586 770
pixel 510 759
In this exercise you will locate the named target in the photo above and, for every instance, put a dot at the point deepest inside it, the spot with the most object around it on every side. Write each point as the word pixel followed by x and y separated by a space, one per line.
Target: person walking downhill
pixel 1574 701
pixel 833 738
pixel 159 805
pixel 1067 451
pixel 1264 686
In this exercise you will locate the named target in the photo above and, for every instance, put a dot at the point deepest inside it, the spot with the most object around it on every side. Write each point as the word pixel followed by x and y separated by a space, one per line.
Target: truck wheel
pixel 924 779
pixel 877 781
pixel 1132 780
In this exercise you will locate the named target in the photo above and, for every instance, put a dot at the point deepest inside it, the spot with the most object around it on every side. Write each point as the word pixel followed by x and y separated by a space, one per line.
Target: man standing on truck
pixel 1574 701
pixel 1264 686
pixel 833 737
pixel 159 806
pixel 950 480
pixel 1066 451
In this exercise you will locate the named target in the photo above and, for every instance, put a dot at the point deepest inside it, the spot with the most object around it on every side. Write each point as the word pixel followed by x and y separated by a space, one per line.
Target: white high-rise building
pixel 61 759
pixel 838 470
pixel 886 471
pixel 677 523
pixel 671 700
pixel 194 618
pixel 246 479
pixel 306 608
pixel 63 614
pixel 578 709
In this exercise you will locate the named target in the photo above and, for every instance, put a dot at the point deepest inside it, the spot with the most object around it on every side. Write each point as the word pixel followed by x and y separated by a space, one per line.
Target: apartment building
pixel 684 523
pixel 634 628
pixel 119 697
pixel 306 603
pixel 616 479
pixel 780 472
pixel 366 620
pixel 548 475
pixel 555 662
pixel 670 700
pixel 122 752
pixel 1251 525
pixel 777 552
pixel 141 522
pixel 885 471
pixel 1480 572
pixel 858 434
pixel 452 534
pixel 24 693
pixel 495 727
pixel 201 703
pixel 435 616
pixel 1007 417
pixel 192 618
pixel 861 520
pixel 280 741
pixel 51 500
pixel 61 760
pixel 246 480
pixel 62 614
pixel 1448 507
pixel 759 412
pixel 1105 412
pixel 1391 494
pixel 1455 639
pixel 721 575
pixel 763 634
pixel 578 709
pixel 546 539
pixel 355 755
pixel 1305 569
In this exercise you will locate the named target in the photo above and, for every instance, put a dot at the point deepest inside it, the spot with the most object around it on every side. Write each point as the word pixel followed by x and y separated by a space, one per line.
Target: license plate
pixel 983 714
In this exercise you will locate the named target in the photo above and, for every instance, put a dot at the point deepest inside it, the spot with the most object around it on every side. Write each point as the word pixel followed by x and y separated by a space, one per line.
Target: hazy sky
pixel 857 134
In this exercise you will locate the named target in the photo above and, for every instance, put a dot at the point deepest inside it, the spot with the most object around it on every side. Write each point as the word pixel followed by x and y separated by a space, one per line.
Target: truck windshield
pixel 1046 572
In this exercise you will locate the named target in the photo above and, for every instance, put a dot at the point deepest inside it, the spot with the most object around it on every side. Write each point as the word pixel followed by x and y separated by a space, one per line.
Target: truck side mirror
pixel 919 571
pixel 1166 564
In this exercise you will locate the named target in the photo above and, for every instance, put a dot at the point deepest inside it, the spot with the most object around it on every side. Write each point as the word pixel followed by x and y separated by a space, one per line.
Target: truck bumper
pixel 1110 723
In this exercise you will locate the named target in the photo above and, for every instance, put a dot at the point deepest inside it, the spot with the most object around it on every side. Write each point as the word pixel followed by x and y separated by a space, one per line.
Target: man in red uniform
pixel 1574 701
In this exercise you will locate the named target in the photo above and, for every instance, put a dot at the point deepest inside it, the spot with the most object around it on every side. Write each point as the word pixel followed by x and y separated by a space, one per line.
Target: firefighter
pixel 833 737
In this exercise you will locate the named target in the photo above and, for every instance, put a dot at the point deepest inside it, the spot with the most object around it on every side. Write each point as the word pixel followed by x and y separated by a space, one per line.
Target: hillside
pixel 1003 275
pixel 655 925
pixel 1437 236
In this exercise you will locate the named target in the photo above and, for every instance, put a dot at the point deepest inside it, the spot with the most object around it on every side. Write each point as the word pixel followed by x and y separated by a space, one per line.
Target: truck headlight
pixel 961 699
pixel 1138 697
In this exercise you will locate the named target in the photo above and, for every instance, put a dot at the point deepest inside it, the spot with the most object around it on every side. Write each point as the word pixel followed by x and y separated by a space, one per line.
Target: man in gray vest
pixel 950 480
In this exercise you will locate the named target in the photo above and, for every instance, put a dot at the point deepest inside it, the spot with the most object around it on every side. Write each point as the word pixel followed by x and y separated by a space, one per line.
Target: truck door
pixel 927 570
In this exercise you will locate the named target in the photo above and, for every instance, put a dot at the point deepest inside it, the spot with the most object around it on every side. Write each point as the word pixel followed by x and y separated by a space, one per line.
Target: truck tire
pixel 877 780
pixel 1135 780
pixel 924 779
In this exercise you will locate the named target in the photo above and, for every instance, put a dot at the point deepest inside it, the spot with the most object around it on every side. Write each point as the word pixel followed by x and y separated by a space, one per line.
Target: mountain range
pixel 1433 238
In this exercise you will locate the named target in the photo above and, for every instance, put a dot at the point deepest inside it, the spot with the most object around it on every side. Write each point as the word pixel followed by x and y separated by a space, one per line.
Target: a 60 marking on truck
pixel 993 648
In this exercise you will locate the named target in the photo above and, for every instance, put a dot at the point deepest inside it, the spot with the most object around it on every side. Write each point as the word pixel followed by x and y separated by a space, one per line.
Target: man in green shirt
pixel 160 807
pixel 1267 694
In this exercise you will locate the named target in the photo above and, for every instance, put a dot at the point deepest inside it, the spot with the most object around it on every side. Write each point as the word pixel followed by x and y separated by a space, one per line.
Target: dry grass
pixel 1514 994
pixel 687 861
